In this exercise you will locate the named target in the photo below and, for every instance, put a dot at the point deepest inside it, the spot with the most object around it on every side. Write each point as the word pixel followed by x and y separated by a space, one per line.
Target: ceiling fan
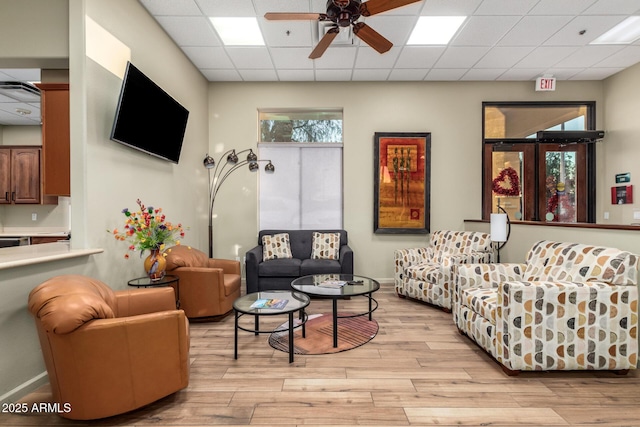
pixel 344 13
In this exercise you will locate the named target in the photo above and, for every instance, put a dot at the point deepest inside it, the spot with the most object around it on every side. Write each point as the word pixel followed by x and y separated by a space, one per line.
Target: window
pixel 306 148
pixel 532 180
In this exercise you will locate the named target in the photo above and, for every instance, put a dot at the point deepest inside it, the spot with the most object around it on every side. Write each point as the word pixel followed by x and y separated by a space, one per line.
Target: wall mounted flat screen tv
pixel 148 118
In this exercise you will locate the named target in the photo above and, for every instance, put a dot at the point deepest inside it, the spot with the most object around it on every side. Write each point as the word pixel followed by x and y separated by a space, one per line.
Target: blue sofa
pixel 278 273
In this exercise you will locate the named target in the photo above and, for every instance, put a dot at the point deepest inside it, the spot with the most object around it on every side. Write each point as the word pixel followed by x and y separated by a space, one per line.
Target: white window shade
pixel 305 192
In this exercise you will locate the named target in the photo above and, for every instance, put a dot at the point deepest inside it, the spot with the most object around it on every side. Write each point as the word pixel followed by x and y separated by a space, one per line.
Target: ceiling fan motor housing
pixel 343 12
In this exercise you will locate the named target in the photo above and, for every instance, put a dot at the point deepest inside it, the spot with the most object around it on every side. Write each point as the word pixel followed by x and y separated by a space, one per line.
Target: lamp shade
pixel 499 227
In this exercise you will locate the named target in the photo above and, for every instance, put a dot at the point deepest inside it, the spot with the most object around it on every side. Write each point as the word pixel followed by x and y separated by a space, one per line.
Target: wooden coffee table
pixel 314 285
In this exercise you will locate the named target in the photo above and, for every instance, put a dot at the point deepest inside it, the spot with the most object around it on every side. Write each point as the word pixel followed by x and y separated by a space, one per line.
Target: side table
pixel 167 280
pixel 295 301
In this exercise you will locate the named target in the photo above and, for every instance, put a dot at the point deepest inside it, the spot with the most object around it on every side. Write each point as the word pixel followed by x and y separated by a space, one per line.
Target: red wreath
pixel 514 181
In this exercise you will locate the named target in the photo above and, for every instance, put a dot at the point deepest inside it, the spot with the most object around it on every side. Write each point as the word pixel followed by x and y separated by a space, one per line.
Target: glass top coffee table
pixel 339 286
pixel 270 303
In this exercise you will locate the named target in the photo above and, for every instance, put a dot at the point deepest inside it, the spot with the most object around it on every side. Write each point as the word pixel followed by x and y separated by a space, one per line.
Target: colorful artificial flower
pixel 148 229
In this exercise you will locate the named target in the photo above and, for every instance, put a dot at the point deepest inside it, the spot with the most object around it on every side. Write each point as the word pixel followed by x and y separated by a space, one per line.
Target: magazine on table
pixel 329 283
pixel 274 303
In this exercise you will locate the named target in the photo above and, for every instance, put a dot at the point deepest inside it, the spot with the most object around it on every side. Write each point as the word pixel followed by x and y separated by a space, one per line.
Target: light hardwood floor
pixel 417 371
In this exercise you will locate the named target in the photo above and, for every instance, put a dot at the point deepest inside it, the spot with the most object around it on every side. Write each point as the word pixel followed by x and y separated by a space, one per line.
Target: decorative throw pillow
pixel 325 246
pixel 276 246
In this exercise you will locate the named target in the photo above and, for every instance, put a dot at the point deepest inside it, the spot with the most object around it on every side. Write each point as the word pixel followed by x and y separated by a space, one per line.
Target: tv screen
pixel 148 118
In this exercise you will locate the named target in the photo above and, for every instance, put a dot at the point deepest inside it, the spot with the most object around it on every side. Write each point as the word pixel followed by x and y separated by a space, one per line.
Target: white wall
pixel 451 111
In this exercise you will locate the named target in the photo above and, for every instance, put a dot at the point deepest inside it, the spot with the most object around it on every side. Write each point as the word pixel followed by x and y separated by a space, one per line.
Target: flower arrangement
pixel 148 229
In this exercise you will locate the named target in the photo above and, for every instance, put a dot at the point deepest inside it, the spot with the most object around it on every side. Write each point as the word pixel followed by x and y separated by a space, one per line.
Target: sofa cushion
pixel 325 246
pixel 276 246
pixel 483 301
pixel 551 261
pixel 319 266
pixel 284 267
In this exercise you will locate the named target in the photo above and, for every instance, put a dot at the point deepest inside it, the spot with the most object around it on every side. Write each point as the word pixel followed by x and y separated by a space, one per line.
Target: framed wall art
pixel 402 183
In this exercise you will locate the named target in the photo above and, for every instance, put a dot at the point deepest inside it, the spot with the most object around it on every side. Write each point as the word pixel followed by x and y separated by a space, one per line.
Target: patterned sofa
pixel 568 307
pixel 425 274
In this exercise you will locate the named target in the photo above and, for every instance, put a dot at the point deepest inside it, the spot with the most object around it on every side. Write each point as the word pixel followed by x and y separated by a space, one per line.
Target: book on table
pixel 274 303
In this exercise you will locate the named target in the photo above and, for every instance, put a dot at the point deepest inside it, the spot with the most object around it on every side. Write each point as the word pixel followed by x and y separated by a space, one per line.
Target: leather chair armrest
pixel 253 258
pixel 346 259
pixel 228 266
pixel 133 302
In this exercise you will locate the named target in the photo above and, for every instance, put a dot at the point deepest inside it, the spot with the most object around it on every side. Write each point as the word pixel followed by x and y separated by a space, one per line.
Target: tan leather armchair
pixel 208 287
pixel 109 352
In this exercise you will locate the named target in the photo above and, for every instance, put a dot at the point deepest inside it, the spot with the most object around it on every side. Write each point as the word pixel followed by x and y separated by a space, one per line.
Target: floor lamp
pixel 500 229
pixel 220 170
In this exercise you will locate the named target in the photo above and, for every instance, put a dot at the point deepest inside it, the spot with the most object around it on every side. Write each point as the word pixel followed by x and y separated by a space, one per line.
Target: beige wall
pixel 35 33
pixel 451 111
pixel 621 151
pixel 106 177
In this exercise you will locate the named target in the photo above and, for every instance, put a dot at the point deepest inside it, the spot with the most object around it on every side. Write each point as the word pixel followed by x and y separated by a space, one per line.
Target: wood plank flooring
pixel 418 371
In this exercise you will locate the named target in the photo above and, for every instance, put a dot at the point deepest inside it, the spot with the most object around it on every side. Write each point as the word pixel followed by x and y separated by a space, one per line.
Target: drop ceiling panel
pixel 407 74
pixel 461 57
pixel 508 7
pixel 595 73
pixel 208 57
pixel 190 30
pixel 594 26
pixel 613 7
pixel 295 75
pixel 503 57
pixel 484 30
pixel 250 57
pixel 369 58
pixel 287 33
pixel 624 58
pixel 419 56
pixel 370 74
pixel 291 58
pixel 450 8
pixel 226 8
pixel 171 7
pixel 561 7
pixel 534 30
pixel 588 56
pixel 495 37
pixel 545 57
pixel 484 74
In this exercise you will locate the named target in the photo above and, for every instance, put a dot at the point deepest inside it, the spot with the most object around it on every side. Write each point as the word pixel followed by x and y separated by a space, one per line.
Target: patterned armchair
pixel 425 274
pixel 568 307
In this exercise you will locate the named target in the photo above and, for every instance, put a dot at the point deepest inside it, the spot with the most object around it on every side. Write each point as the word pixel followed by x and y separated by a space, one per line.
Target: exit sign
pixel 545 83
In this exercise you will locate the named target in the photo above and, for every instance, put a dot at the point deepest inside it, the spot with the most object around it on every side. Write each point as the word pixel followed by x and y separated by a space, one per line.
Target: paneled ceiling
pixel 500 40
pixel 12 111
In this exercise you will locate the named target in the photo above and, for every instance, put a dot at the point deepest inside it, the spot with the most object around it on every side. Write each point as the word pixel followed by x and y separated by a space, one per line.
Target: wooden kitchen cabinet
pixel 20 175
pixel 56 160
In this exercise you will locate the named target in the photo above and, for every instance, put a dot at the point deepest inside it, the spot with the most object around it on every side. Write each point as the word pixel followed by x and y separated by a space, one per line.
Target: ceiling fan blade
pixel 371 37
pixel 284 16
pixel 324 43
pixel 373 7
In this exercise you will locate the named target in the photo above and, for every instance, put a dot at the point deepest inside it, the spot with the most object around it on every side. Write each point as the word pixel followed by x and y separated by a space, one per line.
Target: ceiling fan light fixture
pixel 238 31
pixel 435 30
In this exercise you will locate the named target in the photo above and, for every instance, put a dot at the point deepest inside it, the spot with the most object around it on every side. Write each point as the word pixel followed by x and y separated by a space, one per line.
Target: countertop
pixel 33 232
pixel 18 256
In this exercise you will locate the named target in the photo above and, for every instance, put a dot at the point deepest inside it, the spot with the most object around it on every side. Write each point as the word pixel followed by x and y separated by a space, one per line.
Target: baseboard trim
pixel 25 388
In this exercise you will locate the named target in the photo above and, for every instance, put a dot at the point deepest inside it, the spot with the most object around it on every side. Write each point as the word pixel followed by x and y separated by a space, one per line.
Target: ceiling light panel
pixel 238 31
pixel 435 30
pixel 625 32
